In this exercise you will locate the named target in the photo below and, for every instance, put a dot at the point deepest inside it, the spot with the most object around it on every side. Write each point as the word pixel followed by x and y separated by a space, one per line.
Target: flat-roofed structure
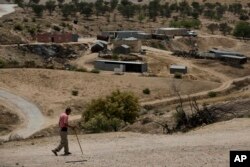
pixel 124 34
pixel 127 66
pixel 178 69
pixel 57 37
pixel 170 31
pixel 219 53
pixel 133 43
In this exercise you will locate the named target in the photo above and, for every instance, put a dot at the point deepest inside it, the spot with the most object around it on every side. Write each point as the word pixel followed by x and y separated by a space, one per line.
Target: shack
pixel 171 32
pixel 229 56
pixel 127 66
pixel 124 34
pixel 123 49
pixel 133 43
pixel 178 69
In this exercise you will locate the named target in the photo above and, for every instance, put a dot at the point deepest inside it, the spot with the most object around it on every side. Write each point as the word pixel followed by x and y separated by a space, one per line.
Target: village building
pixel 178 69
pixel 133 43
pixel 57 37
pixel 171 32
pixel 122 49
pixel 125 66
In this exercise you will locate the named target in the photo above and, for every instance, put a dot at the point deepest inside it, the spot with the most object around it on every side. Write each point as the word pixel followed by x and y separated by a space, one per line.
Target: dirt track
pixel 207 146
pixel 34 119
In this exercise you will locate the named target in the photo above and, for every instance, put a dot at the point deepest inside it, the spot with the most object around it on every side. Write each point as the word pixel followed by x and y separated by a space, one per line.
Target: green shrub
pixel 74 92
pixel 95 71
pixel 212 94
pixel 146 91
pixel 177 75
pixel 110 113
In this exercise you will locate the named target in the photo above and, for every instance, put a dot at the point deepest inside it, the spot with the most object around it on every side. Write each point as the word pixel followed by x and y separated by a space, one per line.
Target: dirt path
pixel 207 147
pixel 226 81
pixel 34 120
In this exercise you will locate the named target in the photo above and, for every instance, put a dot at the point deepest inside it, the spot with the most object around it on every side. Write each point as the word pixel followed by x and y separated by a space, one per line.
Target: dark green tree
pixel 67 9
pixel 38 10
pixel 242 29
pixel 113 5
pixel 127 9
pixel 212 27
pixel 225 28
pixel 50 6
pixel 153 9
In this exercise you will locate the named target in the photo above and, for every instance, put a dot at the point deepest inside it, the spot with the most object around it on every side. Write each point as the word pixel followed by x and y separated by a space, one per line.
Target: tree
pixel 127 9
pixel 153 8
pixel 98 7
pixel 20 3
pixel 242 29
pixel 67 9
pixel 50 6
pixel 113 5
pixel 60 3
pixel 105 114
pixel 225 28
pixel 86 9
pixel 141 17
pixel 38 10
pixel 212 27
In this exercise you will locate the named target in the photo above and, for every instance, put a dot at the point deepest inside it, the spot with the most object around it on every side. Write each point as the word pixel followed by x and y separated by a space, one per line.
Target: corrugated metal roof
pixel 125 46
pixel 224 52
pixel 122 62
pixel 130 39
pixel 171 28
pixel 182 67
pixel 235 57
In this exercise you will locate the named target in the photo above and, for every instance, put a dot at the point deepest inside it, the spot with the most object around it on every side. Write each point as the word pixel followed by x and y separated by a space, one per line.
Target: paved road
pixel 34 118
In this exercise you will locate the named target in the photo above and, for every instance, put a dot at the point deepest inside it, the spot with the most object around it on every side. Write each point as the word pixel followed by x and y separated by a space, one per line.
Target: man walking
pixel 63 125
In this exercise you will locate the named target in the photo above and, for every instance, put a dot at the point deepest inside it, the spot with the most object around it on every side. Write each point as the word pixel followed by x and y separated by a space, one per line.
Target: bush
pixel 177 75
pixel 33 19
pixel 2 64
pixel 25 19
pixel 146 91
pixel 18 27
pixel 95 71
pixel 56 28
pixel 110 113
pixel 212 94
pixel 74 92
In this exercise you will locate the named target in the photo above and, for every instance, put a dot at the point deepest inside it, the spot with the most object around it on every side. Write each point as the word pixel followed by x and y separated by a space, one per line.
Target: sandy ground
pixel 207 146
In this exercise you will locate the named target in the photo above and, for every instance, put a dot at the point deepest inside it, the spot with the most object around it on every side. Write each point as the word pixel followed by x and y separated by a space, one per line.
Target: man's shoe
pixel 54 151
pixel 67 153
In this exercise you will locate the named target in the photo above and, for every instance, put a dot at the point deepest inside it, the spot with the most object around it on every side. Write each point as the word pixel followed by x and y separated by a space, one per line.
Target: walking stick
pixel 78 141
